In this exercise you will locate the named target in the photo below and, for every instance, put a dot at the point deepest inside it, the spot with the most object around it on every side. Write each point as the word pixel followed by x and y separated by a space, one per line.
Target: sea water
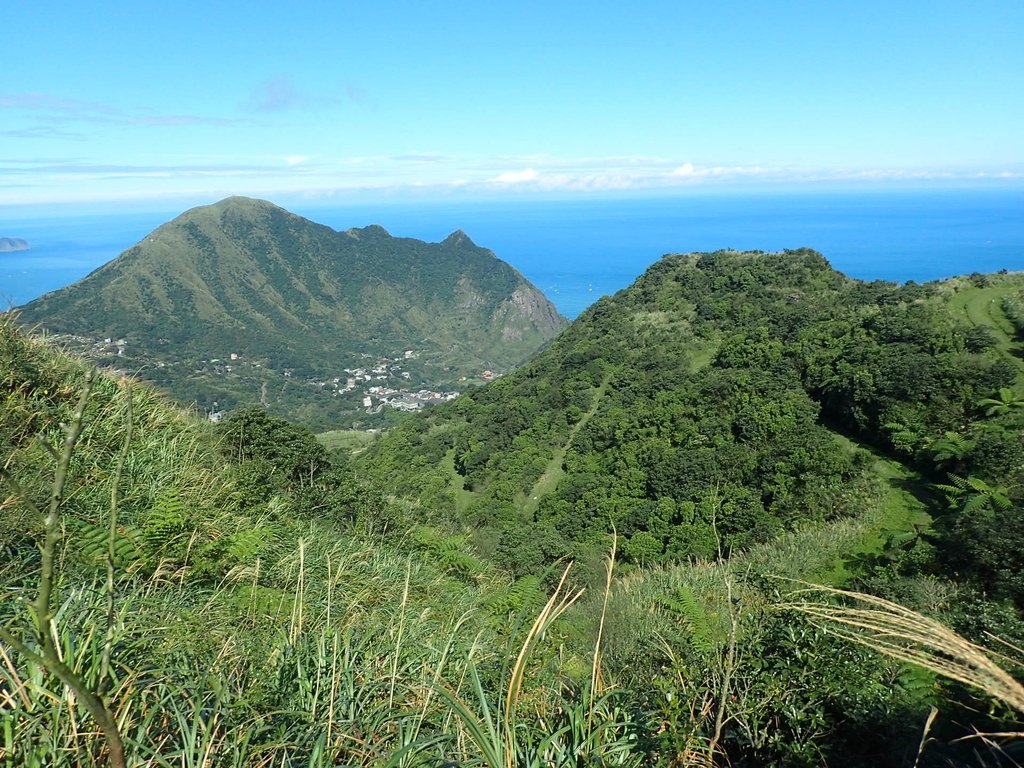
pixel 65 249
pixel 578 250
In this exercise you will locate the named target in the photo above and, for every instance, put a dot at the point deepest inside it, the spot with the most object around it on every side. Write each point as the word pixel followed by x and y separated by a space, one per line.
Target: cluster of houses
pixel 402 399
pixel 379 392
pixel 85 345
pixel 380 385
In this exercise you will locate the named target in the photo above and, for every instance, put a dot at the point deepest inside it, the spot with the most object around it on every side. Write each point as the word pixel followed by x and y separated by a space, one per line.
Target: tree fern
pixel 690 615
pixel 91 541
pixel 972 495
pixel 166 523
pixel 902 436
pixel 254 539
pixel 951 448
pixel 450 552
pixel 1006 401
pixel 523 596
pixel 917 684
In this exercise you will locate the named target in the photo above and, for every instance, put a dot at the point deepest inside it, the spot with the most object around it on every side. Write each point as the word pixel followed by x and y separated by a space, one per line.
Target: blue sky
pixel 136 101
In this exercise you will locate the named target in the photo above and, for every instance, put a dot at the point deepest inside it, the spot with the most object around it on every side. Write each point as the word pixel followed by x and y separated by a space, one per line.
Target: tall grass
pixel 587 728
pixel 198 680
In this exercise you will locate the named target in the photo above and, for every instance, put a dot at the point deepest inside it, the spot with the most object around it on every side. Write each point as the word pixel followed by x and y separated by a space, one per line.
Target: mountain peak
pixel 373 230
pixel 232 207
pixel 458 237
pixel 238 201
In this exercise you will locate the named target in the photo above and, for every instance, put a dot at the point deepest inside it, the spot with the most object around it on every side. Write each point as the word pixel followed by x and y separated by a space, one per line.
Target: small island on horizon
pixel 8 244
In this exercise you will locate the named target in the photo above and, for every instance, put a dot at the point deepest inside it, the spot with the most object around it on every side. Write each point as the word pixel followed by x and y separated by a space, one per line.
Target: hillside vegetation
pixel 700 446
pixel 714 403
pixel 266 604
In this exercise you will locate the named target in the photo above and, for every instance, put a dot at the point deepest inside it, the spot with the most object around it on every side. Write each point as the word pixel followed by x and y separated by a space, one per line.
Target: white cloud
pixel 516 177
pixel 690 171
pixel 421 175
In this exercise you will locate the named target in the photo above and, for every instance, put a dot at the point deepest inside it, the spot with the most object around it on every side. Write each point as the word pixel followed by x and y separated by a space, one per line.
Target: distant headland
pixel 8 244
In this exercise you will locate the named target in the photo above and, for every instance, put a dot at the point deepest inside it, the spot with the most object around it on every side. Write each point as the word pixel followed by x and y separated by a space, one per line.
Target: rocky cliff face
pixel 527 305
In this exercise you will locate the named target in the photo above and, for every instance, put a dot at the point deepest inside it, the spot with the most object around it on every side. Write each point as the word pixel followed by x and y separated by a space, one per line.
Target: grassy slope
pixel 901 510
pixel 555 470
pixel 352 441
pixel 463 496
pixel 983 305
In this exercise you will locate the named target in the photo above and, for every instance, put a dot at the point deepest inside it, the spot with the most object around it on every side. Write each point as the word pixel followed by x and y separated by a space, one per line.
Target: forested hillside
pixel 700 447
pixel 722 399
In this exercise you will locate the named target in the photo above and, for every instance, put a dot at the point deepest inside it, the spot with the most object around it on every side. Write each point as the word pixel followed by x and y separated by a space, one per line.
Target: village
pixel 377 385
pixel 372 384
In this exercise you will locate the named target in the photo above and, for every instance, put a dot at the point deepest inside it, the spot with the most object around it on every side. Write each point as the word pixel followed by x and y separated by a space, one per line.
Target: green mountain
pixel 721 400
pixel 296 303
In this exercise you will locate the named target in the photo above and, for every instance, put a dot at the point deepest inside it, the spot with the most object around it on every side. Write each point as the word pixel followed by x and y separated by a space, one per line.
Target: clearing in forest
pixel 983 305
pixel 555 469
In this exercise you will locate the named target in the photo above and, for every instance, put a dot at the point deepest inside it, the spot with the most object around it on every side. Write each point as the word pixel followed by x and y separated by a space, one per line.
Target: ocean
pixel 576 251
